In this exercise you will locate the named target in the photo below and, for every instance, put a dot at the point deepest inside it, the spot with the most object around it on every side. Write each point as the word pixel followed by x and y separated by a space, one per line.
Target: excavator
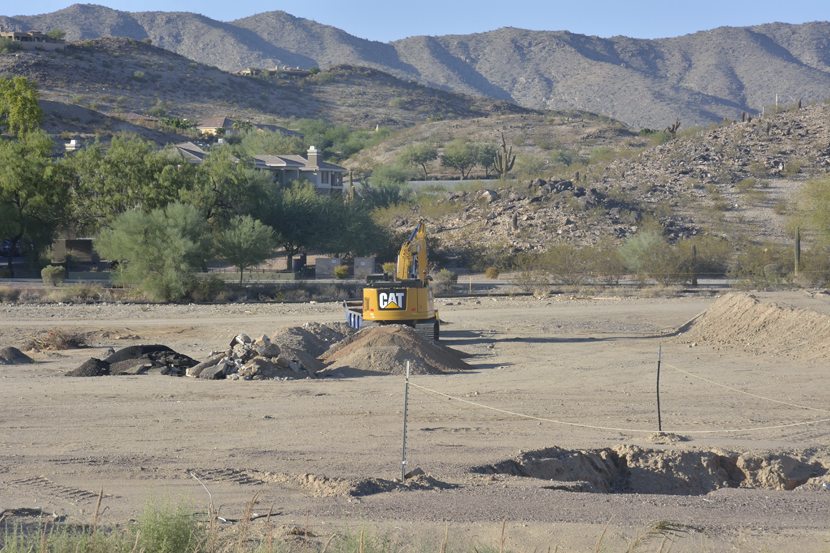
pixel 403 298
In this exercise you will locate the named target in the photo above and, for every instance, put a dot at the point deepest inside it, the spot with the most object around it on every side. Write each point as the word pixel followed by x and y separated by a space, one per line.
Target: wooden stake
pixel 405 409
pixel 659 420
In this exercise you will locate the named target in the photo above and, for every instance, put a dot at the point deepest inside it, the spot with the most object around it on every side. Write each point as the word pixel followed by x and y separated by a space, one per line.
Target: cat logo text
pixel 392 301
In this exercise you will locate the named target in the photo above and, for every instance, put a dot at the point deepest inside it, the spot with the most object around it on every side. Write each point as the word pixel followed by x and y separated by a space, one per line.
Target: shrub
pixel 762 265
pixel 390 268
pixel 444 281
pixel 7 293
pixel 53 275
pixel 7 46
pixel 341 272
pixel 139 75
pixel 649 256
pixel 492 272
pixel 212 288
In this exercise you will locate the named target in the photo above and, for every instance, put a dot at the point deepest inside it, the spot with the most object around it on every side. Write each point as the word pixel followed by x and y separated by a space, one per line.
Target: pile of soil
pixel 137 360
pixel 91 367
pixel 743 322
pixel 632 469
pixel 13 356
pixel 386 349
pixel 323 486
pixel 299 339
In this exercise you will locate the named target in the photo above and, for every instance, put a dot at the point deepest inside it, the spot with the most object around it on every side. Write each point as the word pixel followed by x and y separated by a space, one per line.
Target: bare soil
pixel 560 383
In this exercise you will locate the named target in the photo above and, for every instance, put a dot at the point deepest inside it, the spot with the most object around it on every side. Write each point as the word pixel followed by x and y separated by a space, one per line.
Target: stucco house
pixel 34 39
pixel 327 178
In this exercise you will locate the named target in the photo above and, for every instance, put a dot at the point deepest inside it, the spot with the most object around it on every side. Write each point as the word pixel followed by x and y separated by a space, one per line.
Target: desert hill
pixel 700 78
pixel 735 181
pixel 126 75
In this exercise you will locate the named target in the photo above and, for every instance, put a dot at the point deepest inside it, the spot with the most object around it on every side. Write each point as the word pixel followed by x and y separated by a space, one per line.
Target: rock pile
pixel 680 182
pixel 261 359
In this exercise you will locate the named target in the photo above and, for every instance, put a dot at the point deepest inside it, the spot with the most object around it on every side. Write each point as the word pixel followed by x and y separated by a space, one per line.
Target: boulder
pixel 211 362
pixel 269 350
pixel 213 373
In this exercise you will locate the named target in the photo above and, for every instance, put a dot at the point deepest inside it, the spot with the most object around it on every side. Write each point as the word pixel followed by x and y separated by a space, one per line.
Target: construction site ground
pixel 326 452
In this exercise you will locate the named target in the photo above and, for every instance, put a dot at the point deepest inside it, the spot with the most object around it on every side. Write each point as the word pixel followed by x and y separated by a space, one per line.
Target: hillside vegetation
pixel 700 78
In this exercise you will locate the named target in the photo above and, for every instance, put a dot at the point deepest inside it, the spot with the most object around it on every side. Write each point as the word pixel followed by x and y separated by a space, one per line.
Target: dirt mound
pixel 91 367
pixel 634 469
pixel 386 349
pixel 137 360
pixel 13 356
pixel 743 322
pixel 299 338
pixel 323 486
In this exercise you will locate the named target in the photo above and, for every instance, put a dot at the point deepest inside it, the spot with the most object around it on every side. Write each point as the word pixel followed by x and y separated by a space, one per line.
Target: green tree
pixel 131 174
pixel 419 154
pixel 485 154
pixel 348 229
pixel 461 155
pixel 57 34
pixel 245 243
pixel 314 70
pixel 33 193
pixel 19 106
pixel 223 187
pixel 159 251
pixel 268 143
pixel 242 126
pixel 295 214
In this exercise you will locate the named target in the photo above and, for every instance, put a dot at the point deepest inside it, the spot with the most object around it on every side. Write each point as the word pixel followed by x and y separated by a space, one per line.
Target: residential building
pixel 34 39
pixel 327 178
pixel 209 126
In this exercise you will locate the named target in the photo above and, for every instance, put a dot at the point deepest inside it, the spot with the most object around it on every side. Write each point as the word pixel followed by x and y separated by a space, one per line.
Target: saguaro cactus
pixel 504 160
pixel 672 129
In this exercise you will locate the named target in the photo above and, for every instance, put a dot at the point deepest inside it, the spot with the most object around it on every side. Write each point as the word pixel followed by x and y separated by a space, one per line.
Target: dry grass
pixel 56 340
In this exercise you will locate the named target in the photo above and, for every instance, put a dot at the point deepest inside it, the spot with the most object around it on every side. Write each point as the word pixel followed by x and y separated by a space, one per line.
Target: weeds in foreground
pixel 168 526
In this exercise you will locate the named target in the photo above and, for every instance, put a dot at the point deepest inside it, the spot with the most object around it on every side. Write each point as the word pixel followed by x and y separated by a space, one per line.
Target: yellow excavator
pixel 403 298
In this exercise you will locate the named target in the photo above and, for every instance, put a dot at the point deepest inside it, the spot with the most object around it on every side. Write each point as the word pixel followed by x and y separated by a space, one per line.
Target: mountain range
pixel 698 78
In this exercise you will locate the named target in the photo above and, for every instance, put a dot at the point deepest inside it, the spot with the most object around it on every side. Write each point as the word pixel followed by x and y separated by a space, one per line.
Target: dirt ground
pixel 318 449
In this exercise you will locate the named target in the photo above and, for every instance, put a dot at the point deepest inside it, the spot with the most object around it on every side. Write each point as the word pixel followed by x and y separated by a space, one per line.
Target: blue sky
pixel 386 20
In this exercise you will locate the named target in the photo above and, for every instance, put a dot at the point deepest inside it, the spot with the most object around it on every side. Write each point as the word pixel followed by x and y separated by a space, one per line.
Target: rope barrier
pixel 428 391
pixel 747 393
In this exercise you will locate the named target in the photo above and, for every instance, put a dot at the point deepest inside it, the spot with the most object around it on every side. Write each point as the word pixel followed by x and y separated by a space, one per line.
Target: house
pixel 34 39
pixel 191 152
pixel 326 177
pixel 209 126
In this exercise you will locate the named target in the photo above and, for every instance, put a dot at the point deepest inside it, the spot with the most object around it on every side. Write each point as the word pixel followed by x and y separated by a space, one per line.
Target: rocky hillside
pixel 125 75
pixel 700 78
pixel 735 181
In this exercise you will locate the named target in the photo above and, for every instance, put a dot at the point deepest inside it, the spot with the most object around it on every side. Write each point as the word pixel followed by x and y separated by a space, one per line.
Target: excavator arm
pixel 412 259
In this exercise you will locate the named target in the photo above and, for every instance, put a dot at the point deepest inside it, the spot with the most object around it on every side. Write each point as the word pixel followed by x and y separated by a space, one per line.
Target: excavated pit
pixel 632 469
